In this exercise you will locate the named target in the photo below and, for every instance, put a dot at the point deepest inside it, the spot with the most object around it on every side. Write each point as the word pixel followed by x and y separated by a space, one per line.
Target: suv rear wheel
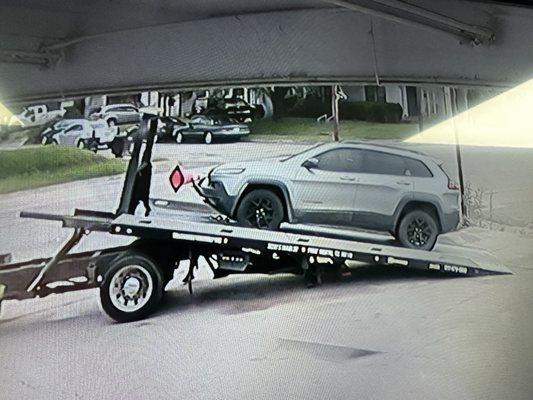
pixel 418 229
pixel 261 208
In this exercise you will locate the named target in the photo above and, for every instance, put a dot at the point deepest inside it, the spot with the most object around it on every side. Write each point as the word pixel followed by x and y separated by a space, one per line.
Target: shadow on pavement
pixel 232 295
pixel 248 293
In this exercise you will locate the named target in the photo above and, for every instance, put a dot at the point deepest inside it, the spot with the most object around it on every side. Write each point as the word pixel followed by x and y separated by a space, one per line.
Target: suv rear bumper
pixel 449 222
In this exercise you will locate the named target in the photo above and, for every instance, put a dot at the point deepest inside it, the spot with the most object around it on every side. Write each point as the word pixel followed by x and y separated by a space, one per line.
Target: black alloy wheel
pixel 261 209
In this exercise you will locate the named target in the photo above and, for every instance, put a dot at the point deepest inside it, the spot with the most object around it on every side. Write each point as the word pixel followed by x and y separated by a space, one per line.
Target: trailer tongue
pixel 132 278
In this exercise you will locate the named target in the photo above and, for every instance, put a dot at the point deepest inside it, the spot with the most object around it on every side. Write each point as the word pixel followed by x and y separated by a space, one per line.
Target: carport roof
pixel 71 48
pixel 70 18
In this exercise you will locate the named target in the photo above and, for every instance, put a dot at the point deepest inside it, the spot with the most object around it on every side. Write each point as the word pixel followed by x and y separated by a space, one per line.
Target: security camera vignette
pixel 240 222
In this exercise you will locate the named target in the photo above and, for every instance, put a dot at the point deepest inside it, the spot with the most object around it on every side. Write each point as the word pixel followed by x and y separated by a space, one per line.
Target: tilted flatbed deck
pixel 187 229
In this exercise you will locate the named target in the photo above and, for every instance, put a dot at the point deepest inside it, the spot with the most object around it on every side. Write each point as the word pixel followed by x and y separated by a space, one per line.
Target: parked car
pixel 81 133
pixel 235 108
pixel 343 184
pixel 168 127
pixel 35 116
pixel 53 128
pixel 210 128
pixel 117 114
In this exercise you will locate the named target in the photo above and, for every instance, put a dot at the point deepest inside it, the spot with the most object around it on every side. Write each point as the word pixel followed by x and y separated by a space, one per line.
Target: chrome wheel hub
pixel 131 288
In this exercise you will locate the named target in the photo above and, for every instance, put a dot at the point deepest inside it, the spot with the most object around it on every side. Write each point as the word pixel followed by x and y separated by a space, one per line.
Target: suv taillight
pixel 452 185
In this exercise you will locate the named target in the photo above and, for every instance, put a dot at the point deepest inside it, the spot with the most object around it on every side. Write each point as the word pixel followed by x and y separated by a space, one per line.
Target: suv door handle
pixel 406 183
pixel 347 178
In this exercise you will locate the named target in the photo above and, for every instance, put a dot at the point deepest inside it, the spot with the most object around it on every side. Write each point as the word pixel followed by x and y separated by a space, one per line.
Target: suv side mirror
pixel 311 163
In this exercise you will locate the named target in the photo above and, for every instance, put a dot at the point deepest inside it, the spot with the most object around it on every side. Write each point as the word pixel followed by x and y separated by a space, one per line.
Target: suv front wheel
pixel 261 208
pixel 418 229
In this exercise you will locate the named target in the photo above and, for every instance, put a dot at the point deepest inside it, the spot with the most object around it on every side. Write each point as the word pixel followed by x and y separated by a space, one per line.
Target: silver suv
pixel 117 114
pixel 342 184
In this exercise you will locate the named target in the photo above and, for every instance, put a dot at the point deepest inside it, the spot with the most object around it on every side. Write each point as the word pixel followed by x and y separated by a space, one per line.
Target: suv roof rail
pixel 387 146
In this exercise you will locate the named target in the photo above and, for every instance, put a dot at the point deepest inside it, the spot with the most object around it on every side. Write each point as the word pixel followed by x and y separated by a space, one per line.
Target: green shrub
pixel 310 107
pixel 370 111
pixel 313 107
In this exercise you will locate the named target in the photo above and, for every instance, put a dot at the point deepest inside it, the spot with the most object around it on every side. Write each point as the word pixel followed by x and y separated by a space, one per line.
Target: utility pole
pixel 451 94
pixel 336 95
pixel 335 111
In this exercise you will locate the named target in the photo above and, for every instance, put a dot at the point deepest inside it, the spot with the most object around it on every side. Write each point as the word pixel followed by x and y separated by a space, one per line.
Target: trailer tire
pixel 132 288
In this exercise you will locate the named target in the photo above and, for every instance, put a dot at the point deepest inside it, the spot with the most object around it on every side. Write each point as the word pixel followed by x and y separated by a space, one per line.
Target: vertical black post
pixel 458 155
pixel 420 105
pixel 129 180
pixel 335 111
pixel 146 133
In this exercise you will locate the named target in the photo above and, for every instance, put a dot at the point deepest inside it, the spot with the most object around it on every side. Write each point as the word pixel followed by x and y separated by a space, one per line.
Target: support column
pixel 420 103
pixel 335 111
pixel 450 98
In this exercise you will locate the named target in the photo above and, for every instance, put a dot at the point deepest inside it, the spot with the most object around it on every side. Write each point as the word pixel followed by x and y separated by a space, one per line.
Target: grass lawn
pixel 33 167
pixel 307 129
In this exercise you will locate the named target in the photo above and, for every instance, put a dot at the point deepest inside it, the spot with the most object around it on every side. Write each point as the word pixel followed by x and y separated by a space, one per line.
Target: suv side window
pixel 384 164
pixel 340 160
pixel 418 169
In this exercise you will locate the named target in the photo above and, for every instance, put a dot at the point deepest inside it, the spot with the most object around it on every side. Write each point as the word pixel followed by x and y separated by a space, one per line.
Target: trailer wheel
pixel 132 288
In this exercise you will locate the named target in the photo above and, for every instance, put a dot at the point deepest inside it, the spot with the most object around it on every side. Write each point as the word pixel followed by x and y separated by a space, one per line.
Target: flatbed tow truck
pixel 131 279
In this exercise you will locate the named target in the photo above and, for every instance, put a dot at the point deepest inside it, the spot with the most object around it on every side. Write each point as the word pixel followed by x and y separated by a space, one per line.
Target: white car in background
pixel 117 114
pixel 35 116
pixel 81 133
